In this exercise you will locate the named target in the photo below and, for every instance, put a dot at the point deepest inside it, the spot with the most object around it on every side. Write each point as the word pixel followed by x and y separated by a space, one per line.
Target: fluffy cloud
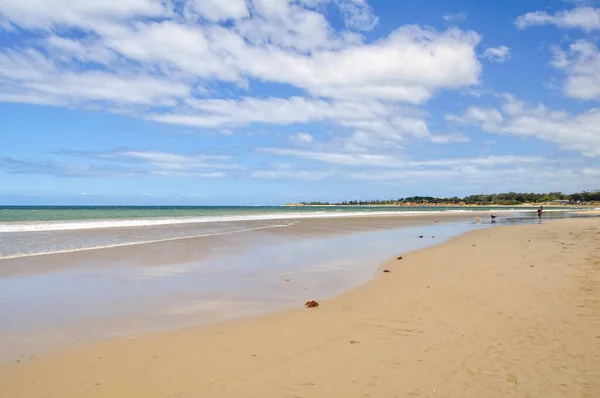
pixel 47 14
pixel 578 132
pixel 488 118
pixel 586 18
pixel 151 53
pixel 581 64
pixel 33 78
pixel 357 14
pixel 219 10
pixel 497 54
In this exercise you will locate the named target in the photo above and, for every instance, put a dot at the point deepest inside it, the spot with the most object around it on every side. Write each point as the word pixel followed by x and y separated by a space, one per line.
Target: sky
pixel 265 102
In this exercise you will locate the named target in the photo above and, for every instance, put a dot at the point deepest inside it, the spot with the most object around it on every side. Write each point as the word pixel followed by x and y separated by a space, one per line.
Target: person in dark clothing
pixel 540 211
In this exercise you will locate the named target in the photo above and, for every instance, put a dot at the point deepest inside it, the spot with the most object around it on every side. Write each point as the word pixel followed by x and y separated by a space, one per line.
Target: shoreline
pixel 427 325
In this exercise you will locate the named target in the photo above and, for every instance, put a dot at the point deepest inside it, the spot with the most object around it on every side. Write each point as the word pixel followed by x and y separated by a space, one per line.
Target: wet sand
pixel 510 311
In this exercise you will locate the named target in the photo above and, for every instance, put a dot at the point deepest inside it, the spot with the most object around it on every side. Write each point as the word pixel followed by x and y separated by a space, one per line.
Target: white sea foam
pixel 146 222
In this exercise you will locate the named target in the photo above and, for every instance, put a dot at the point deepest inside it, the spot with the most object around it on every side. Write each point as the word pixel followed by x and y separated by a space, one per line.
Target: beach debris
pixel 421 236
pixel 353 341
pixel 400 258
pixel 311 304
pixel 287 279
pixel 386 270
pixel 433 237
pixel 531 266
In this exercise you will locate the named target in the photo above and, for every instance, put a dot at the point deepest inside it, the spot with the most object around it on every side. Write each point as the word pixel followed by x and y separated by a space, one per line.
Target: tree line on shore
pixel 500 199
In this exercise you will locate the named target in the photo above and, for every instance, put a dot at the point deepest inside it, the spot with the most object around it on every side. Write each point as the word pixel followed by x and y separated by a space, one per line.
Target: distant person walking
pixel 540 212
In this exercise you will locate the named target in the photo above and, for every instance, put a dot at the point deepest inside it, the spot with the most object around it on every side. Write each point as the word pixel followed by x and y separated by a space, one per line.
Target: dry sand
pixel 507 312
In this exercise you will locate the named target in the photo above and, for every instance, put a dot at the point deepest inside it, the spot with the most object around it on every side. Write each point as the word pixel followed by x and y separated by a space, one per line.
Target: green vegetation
pixel 500 199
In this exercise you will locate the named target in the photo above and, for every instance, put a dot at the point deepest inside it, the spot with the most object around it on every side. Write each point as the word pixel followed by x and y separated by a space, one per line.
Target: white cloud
pixel 398 161
pixel 219 10
pixel 376 123
pixel 222 113
pixel 30 73
pixel 166 161
pixel 49 13
pixel 296 46
pixel 487 117
pixel 586 18
pixel 455 18
pixel 339 158
pixel 578 132
pixel 357 14
pixel 497 54
pixel 581 63
pixel 302 138
pixel 449 138
pixel 288 26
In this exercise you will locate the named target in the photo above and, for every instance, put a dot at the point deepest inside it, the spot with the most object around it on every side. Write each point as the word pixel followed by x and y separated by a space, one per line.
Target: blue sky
pixel 274 101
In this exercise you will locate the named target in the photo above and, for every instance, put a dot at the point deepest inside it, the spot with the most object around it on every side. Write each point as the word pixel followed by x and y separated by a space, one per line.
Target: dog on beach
pixel 477 220
pixel 493 219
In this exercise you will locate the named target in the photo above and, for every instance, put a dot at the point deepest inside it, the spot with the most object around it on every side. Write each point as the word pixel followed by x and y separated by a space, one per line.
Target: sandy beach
pixel 510 311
